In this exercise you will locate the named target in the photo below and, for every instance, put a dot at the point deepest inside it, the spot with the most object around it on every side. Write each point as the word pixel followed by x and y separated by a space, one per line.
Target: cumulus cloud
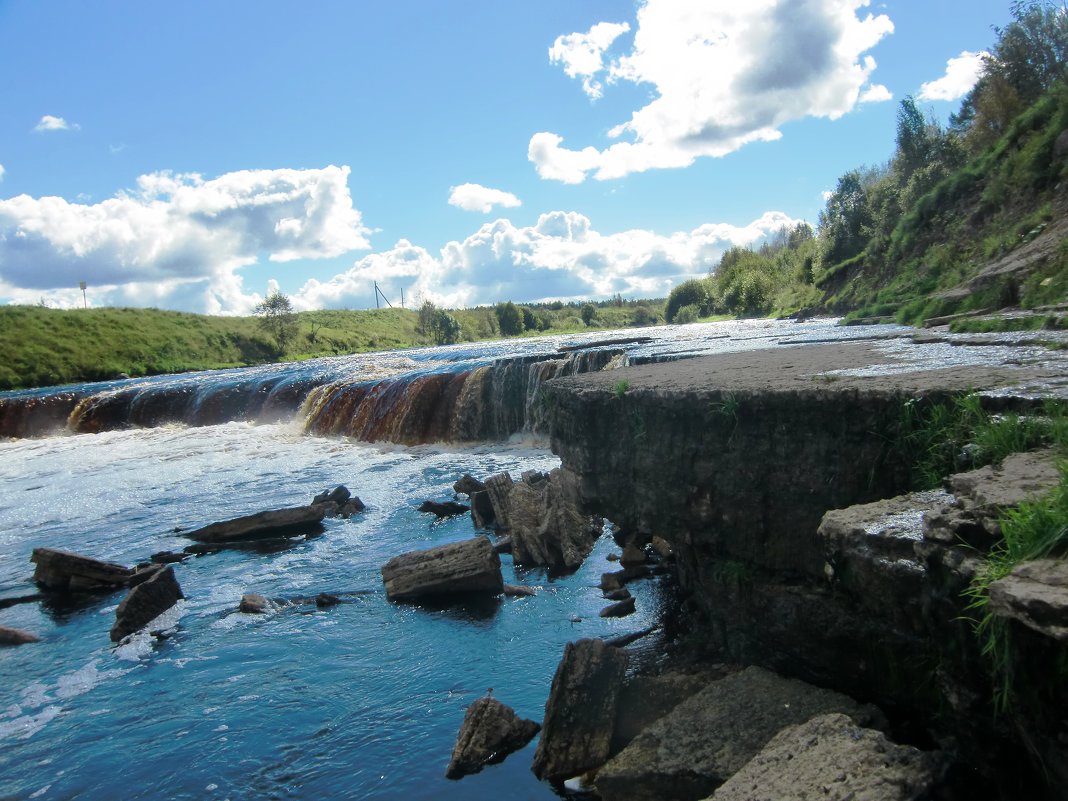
pixel 582 54
pixel 178 240
pixel 475 197
pixel 50 123
pixel 724 74
pixel 560 256
pixel 961 75
pixel 876 93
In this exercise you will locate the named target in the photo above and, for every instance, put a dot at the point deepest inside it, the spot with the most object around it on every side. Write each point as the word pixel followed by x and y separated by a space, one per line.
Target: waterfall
pixel 443 402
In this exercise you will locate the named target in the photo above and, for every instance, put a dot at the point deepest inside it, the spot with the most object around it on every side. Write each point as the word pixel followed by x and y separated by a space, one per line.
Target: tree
pixel 277 319
pixel 438 324
pixel 509 319
pixel 843 221
pixel 587 312
pixel 689 293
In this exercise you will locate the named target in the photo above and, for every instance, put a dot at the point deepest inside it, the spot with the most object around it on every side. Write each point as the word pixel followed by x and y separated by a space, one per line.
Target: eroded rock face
pixel 697 746
pixel 146 602
pixel 580 713
pixel 545 524
pixel 459 567
pixel 64 571
pixel 490 732
pixel 831 758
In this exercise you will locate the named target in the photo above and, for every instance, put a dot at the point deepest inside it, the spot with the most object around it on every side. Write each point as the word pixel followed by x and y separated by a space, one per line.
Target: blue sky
pixel 193 156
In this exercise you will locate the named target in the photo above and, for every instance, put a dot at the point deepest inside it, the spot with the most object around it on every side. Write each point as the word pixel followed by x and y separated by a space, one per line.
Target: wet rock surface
pixel 831 758
pixel 580 712
pixel 145 602
pixel 697 746
pixel 442 509
pixel 13 636
pixel 489 733
pixel 469 566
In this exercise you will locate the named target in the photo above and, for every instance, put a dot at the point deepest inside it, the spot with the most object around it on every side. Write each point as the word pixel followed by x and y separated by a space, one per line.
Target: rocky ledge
pixel 736 459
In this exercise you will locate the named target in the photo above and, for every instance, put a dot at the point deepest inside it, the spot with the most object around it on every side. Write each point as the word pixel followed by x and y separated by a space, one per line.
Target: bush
pixel 687 314
pixel 694 292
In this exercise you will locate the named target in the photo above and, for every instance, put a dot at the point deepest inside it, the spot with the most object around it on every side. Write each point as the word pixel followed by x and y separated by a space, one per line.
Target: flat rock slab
pixel 1019 477
pixel 697 746
pixel 459 567
pixel 145 602
pixel 830 758
pixel 1036 594
pixel 581 710
pixel 490 732
pixel 291 522
pixel 71 572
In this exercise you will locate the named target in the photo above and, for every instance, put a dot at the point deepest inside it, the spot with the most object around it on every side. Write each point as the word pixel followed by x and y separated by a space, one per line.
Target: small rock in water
pixel 339 495
pixel 145 602
pixel 663 548
pixel 621 594
pixel 443 509
pixel 10 636
pixel 325 599
pixel 518 591
pixel 253 603
pixel 167 557
pixel 489 733
pixel 621 609
pixel 633 555
pixel 613 557
pixel 468 485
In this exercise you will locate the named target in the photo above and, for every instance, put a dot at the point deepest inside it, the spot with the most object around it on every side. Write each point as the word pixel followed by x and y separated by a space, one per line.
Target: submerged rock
pixel 64 571
pixel 253 603
pixel 146 602
pixel 292 522
pixel 339 495
pixel 519 591
pixel 581 710
pixel 833 759
pixel 459 567
pixel 10 636
pixel 490 732
pixel 714 734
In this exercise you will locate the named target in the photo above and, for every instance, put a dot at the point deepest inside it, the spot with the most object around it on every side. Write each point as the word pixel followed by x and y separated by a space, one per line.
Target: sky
pixel 197 156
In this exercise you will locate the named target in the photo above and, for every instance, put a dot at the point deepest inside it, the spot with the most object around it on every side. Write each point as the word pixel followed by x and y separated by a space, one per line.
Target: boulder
pixel 831 758
pixel 339 495
pixel 64 571
pixel 167 557
pixel 689 752
pixel 621 594
pixel 145 602
pixel 581 710
pixel 325 599
pixel 292 522
pixel 645 699
pixel 498 488
pixel 1035 594
pixel 253 603
pixel 468 485
pixel 633 555
pixel 545 523
pixel 503 545
pixel 490 732
pixel 10 636
pixel 442 509
pixel 459 567
pixel 619 609
pixel 663 548
pixel 482 514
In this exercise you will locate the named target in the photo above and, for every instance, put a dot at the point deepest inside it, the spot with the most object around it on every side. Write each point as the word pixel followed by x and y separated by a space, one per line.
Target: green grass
pixel 46 347
pixel 621 388
pixel 939 437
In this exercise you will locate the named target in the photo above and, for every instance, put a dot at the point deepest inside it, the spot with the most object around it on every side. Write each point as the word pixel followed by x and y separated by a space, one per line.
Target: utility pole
pixel 402 297
pixel 81 286
pixel 377 305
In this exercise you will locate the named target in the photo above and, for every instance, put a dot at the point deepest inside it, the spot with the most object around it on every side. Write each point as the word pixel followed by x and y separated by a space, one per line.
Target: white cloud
pixel 725 74
pixel 876 93
pixel 561 256
pixel 50 123
pixel 178 240
pixel 582 54
pixel 961 74
pixel 475 197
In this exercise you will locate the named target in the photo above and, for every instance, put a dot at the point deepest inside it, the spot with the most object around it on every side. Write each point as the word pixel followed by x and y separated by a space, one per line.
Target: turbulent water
pixel 361 700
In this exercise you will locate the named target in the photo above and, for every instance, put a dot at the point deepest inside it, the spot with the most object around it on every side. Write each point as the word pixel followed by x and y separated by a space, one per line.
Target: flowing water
pixel 360 700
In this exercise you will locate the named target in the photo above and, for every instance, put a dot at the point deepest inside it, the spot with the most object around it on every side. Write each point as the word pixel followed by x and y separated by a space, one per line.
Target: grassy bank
pixel 47 347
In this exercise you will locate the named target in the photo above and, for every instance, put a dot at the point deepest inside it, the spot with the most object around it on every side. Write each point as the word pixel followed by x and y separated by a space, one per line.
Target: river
pixel 361 700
